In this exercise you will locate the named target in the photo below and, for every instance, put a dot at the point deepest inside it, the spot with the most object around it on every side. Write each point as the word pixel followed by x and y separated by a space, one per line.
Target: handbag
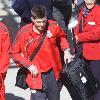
pixel 21 78
pixel 81 77
pixel 23 72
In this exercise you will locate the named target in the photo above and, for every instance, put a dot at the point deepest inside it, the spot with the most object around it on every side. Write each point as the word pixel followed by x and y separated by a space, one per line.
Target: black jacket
pixel 23 7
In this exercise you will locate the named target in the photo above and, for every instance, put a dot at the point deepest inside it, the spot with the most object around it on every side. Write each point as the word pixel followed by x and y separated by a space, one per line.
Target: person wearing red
pixel 4 57
pixel 46 66
pixel 89 36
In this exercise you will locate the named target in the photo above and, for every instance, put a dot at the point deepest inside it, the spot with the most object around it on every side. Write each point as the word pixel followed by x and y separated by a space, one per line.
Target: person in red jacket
pixel 46 66
pixel 89 35
pixel 4 57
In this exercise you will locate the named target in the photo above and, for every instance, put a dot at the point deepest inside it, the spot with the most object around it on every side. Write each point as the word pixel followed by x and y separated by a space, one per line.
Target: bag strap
pixel 81 25
pixel 79 46
pixel 40 44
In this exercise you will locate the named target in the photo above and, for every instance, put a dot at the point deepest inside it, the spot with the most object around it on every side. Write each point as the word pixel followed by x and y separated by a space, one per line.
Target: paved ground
pixel 11 19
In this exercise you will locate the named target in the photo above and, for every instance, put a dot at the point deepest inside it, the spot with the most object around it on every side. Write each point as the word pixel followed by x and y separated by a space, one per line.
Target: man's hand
pixel 76 37
pixel 68 57
pixel 34 71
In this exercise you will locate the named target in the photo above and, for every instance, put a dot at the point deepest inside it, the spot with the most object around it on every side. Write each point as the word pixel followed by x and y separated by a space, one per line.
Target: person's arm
pixel 92 35
pixel 18 56
pixel 4 49
pixel 16 51
pixel 64 45
pixel 61 36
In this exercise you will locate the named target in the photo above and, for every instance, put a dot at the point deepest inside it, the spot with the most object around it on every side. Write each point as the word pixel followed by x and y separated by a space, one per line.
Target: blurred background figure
pixel 62 10
pixel 23 9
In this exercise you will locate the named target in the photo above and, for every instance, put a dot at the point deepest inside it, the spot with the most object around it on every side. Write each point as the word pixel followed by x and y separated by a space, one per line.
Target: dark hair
pixel 38 11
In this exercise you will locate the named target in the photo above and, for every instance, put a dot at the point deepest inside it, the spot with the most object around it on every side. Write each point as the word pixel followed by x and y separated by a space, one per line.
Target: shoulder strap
pixel 81 25
pixel 40 44
pixel 79 46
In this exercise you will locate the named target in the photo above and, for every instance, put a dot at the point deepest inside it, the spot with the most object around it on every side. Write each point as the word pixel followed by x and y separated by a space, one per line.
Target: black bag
pixel 21 78
pixel 81 77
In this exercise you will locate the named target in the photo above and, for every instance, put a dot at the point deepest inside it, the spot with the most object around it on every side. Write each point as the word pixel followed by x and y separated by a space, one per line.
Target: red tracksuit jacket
pixel 4 48
pixel 4 57
pixel 48 55
pixel 90 37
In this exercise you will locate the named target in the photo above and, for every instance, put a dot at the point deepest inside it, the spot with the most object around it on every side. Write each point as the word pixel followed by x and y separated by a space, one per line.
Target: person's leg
pixel 62 16
pixel 2 86
pixel 38 95
pixel 2 93
pixel 95 68
pixel 50 89
pixel 57 16
pixel 41 94
pixel 53 92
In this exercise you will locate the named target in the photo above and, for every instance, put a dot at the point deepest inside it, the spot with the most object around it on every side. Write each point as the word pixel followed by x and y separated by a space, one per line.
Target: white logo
pixel 91 23
pixel 83 78
pixel 49 34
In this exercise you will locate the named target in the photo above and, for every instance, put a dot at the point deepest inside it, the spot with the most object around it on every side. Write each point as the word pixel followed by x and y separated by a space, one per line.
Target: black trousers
pixel 95 69
pixel 50 89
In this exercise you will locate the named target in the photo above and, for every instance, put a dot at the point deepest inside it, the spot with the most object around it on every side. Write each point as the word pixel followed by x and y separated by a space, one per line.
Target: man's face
pixel 90 3
pixel 40 23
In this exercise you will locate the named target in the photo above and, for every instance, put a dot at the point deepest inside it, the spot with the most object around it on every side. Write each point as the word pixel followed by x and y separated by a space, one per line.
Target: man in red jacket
pixel 4 57
pixel 89 35
pixel 46 66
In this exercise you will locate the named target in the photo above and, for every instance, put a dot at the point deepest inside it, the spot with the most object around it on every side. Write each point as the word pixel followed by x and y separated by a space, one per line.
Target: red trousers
pixel 2 87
